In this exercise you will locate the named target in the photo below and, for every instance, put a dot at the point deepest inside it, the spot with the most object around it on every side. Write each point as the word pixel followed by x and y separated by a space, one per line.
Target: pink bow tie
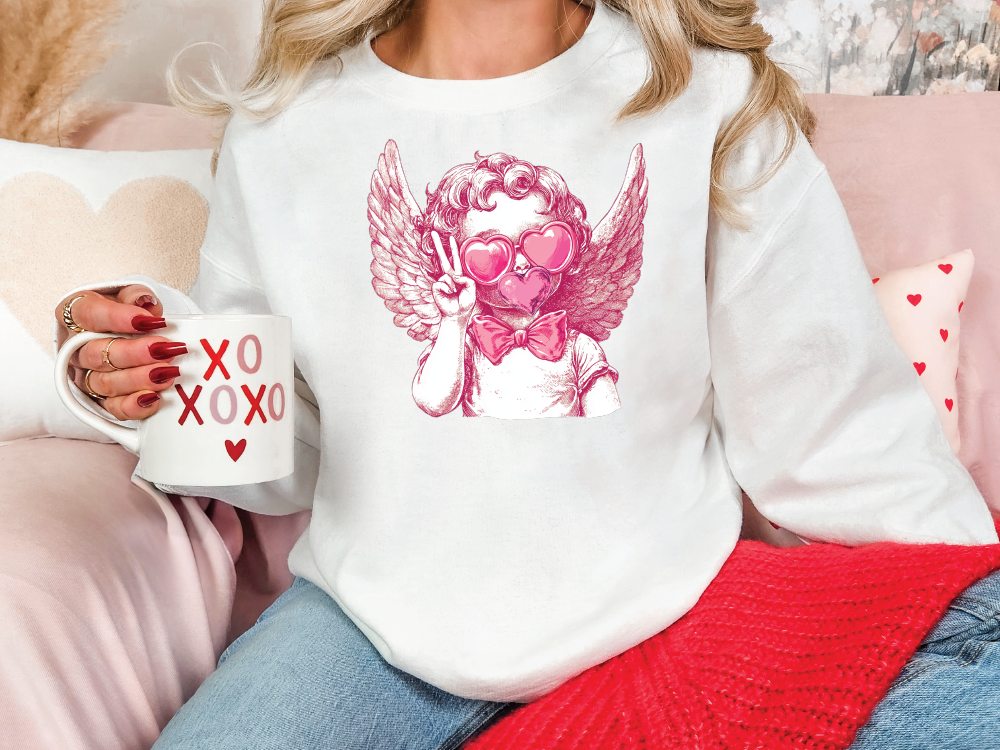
pixel 545 337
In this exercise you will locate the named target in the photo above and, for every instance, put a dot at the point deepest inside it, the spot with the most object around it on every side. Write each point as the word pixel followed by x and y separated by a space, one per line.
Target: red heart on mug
pixel 920 366
pixel 552 248
pixel 913 299
pixel 236 450
pixel 949 403
pixel 487 260
pixel 527 292
pixel 946 267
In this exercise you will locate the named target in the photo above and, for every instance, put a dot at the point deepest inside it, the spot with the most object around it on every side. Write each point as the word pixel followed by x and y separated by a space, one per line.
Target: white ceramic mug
pixel 228 419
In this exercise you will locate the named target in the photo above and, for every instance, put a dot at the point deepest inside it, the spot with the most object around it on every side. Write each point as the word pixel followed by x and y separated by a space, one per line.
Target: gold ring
pixel 68 315
pixel 90 391
pixel 107 356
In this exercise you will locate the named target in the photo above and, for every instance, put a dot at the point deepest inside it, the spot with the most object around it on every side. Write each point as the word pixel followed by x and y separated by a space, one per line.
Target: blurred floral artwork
pixel 886 47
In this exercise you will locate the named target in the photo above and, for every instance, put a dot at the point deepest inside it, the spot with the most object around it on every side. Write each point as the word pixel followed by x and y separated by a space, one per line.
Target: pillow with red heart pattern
pixel 922 305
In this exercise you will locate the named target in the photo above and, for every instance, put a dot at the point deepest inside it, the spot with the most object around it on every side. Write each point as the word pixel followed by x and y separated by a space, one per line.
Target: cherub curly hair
pixel 471 187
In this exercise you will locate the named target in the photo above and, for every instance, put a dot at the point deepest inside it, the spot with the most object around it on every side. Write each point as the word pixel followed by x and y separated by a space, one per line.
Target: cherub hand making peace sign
pixel 454 293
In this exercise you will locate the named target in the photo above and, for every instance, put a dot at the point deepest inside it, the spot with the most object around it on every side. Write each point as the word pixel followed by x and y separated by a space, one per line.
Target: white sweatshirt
pixel 496 557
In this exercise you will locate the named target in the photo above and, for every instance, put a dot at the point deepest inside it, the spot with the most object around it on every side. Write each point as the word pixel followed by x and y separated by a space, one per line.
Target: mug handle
pixel 125 436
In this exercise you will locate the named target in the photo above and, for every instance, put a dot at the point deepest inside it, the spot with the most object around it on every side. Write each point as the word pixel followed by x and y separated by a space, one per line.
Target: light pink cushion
pixel 114 604
pixel 922 306
pixel 131 126
pixel 919 178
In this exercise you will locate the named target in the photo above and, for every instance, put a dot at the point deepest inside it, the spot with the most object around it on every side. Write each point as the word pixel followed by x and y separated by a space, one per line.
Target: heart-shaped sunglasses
pixel 552 247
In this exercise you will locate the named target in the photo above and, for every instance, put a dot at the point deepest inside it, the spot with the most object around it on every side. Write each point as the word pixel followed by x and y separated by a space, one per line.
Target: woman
pixel 582 156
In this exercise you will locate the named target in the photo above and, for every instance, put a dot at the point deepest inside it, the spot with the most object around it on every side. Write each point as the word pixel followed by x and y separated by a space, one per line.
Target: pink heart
pixel 946 267
pixel 487 260
pixel 921 366
pixel 552 248
pixel 236 450
pixel 913 299
pixel 527 292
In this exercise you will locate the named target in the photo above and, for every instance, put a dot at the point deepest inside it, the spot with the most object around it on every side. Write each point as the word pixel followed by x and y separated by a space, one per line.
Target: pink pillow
pixel 922 305
pixel 133 126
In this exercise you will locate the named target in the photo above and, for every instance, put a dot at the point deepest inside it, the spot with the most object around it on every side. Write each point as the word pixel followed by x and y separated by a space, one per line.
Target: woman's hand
pixel 138 368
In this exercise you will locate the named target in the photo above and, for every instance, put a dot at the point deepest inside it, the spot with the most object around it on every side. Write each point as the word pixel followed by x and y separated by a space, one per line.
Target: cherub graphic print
pixel 506 281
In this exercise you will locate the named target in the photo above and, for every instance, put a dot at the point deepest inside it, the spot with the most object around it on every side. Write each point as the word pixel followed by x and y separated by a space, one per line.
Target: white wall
pixel 152 31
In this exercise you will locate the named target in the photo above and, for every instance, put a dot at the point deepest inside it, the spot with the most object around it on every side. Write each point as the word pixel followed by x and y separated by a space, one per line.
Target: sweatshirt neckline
pixel 491 94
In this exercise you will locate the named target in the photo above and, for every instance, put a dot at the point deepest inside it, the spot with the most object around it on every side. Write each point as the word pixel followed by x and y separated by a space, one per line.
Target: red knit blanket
pixel 787 648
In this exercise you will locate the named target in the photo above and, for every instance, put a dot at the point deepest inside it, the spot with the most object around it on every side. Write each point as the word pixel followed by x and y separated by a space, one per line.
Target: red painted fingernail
pixel 146 323
pixel 163 374
pixel 146 302
pixel 167 349
pixel 147 399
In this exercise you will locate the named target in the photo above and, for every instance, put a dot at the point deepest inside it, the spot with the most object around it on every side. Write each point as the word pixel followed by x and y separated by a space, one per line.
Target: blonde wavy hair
pixel 297 34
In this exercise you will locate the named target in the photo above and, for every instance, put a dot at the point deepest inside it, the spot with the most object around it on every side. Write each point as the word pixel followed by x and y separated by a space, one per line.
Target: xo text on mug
pixel 223 401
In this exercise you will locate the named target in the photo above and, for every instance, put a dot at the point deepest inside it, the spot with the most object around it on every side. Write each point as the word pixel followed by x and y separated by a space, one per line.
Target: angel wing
pixel 402 272
pixel 596 294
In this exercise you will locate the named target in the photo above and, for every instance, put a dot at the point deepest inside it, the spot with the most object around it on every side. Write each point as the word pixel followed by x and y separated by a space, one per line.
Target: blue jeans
pixel 305 677
pixel 948 694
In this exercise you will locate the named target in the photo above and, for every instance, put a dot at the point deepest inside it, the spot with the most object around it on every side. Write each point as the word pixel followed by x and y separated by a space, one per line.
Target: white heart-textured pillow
pixel 922 305
pixel 70 218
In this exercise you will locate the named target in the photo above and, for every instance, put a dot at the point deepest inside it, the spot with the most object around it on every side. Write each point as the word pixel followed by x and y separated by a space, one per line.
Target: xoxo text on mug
pixel 229 417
